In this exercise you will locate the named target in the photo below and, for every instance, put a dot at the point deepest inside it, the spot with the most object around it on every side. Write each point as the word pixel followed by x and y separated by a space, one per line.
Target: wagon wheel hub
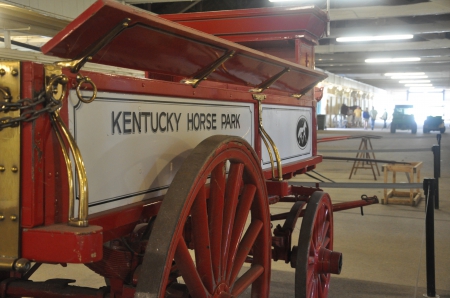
pixel 328 261
pixel 222 291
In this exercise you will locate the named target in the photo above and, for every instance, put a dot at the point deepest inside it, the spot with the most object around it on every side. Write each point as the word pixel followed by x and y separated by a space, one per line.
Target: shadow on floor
pixel 282 286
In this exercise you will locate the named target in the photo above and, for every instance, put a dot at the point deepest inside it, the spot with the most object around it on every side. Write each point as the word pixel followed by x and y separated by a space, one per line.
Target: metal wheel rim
pixel 316 232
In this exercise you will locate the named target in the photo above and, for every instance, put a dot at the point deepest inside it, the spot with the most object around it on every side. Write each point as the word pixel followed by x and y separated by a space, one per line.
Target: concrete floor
pixel 384 250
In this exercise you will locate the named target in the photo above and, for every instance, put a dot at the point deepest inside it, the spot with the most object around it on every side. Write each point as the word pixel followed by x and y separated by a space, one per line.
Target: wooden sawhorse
pixel 364 153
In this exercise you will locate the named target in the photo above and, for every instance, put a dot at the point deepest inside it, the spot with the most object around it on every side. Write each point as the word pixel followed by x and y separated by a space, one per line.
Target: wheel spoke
pixel 319 286
pixel 188 271
pixel 234 182
pixel 314 244
pixel 200 231
pixel 247 279
pixel 244 247
pixel 217 196
pixel 321 220
pixel 326 226
pixel 326 242
pixel 242 211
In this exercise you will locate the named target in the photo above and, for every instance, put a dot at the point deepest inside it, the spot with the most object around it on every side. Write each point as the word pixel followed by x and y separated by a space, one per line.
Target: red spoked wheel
pixel 210 223
pixel 316 259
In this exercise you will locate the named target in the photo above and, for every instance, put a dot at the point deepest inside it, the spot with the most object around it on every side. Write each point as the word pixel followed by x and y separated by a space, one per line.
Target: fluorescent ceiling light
pixel 422 89
pixel 284 0
pixel 414 81
pixel 388 60
pixel 390 74
pixel 408 77
pixel 374 38
pixel 418 85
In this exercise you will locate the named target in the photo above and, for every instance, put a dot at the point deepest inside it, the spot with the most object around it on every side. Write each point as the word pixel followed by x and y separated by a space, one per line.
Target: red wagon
pixel 182 163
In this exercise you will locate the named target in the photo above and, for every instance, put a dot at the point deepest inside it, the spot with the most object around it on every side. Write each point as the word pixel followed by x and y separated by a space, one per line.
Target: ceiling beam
pixel 437 27
pixel 16 17
pixel 383 47
pixel 440 69
pixel 434 7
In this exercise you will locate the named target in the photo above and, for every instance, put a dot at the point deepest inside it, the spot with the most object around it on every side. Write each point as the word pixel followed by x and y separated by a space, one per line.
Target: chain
pixel 29 109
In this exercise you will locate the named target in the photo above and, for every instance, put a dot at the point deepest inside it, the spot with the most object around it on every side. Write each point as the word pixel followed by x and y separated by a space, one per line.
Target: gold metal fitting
pixel 2 168
pixel 52 87
pixel 56 87
pixel 13 217
pixel 22 265
pixel 268 142
pixel 60 130
pixel 2 217
pixel 298 96
pixel 81 80
pixel 2 72
pixel 14 169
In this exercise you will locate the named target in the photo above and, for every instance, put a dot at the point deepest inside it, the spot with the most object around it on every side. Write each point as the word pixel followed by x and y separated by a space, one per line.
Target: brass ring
pixel 94 89
pixel 60 79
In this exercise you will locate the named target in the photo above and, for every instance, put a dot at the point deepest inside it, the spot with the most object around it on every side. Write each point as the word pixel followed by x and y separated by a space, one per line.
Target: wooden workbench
pixel 412 172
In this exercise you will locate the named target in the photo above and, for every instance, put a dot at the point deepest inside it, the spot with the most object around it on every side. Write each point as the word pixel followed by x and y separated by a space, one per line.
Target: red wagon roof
pixel 151 43
pixel 257 24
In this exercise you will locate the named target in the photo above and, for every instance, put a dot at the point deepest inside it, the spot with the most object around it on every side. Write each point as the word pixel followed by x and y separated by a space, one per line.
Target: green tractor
pixel 403 119
pixel 433 123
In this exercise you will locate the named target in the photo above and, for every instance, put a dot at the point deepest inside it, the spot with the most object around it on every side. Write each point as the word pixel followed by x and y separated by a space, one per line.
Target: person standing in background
pixel 373 116
pixel 366 117
pixel 357 113
pixel 384 118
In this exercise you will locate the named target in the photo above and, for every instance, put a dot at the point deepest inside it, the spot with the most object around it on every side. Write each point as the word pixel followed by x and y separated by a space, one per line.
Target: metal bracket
pixel 204 73
pixel 266 84
pixel 10 169
pixel 268 140
pixel 76 64
pixel 298 96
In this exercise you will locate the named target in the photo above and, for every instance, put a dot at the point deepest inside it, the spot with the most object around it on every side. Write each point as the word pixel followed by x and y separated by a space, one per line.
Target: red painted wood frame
pixel 45 237
pixel 286 32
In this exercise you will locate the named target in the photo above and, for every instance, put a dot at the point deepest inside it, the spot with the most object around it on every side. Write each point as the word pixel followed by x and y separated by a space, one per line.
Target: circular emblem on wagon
pixel 302 132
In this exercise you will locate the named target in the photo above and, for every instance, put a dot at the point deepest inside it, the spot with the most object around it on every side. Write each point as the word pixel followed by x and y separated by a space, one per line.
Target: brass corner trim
pixel 259 97
pixel 56 91
pixel 268 142
pixel 10 165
